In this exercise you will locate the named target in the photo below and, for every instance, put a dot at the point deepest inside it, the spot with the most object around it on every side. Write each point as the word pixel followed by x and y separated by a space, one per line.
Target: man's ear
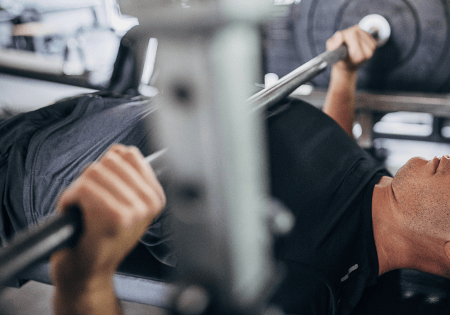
pixel 447 249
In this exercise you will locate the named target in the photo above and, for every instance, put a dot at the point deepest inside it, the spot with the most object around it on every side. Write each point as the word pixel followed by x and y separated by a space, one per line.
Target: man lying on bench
pixel 354 221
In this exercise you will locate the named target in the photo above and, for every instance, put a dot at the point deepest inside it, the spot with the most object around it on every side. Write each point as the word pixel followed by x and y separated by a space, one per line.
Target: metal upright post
pixel 208 59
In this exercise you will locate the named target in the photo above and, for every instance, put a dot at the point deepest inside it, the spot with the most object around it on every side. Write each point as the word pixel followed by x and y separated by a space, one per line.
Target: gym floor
pixel 35 298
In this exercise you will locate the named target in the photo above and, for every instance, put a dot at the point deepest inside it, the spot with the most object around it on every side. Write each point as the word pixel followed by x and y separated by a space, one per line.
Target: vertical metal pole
pixel 208 59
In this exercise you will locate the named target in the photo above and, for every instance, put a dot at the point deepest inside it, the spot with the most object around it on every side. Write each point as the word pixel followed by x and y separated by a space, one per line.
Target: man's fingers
pixel 335 41
pixel 361 46
pixel 355 50
pixel 369 43
pixel 129 185
pixel 138 174
pixel 123 182
pixel 368 39
pixel 133 156
pixel 96 198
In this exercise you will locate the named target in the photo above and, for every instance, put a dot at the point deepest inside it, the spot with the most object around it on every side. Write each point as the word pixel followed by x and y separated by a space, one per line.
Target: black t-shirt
pixel 316 170
pixel 327 181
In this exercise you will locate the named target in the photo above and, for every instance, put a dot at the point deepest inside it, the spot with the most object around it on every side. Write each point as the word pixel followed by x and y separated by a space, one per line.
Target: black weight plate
pixel 416 57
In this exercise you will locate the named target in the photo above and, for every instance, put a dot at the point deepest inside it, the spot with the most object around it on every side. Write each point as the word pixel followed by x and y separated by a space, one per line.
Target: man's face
pixel 422 189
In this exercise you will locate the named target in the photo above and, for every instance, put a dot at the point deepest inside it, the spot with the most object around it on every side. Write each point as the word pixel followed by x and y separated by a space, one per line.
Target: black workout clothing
pixel 327 181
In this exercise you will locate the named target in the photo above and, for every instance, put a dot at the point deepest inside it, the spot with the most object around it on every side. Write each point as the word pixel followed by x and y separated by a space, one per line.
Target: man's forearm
pixel 340 100
pixel 86 301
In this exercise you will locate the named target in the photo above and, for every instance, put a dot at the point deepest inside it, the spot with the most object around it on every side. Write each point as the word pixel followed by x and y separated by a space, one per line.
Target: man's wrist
pixel 339 74
pixel 95 296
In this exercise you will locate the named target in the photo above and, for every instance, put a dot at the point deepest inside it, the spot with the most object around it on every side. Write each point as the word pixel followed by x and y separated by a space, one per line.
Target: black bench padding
pixel 406 292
